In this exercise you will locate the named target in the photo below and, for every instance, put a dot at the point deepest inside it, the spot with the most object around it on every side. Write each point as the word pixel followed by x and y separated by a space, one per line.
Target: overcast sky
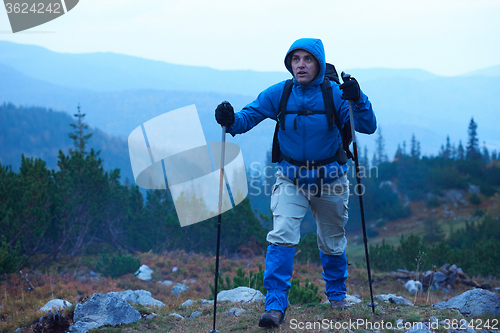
pixel 446 37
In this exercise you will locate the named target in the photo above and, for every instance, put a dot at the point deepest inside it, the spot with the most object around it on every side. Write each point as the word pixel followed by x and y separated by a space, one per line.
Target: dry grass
pixel 20 306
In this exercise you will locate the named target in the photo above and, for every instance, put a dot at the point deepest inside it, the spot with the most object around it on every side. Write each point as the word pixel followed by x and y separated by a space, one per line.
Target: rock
pixel 392 298
pixel 419 328
pixel 463 326
pixel 206 302
pixel 176 315
pixel 179 288
pixel 144 273
pixel 189 281
pixel 349 298
pixel 413 286
pixel 474 302
pixel 241 295
pixel 352 299
pixel 474 189
pixel 187 303
pixel 195 314
pixel 166 283
pixel 100 310
pixel 55 304
pixel 93 276
pixel 151 316
pixel 437 279
pixel 138 297
pixel 235 312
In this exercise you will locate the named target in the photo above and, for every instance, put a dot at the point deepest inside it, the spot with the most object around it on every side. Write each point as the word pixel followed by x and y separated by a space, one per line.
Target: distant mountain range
pixel 119 92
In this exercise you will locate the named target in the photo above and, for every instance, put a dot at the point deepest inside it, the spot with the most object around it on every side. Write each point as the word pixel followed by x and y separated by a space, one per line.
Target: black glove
pixel 224 114
pixel 350 88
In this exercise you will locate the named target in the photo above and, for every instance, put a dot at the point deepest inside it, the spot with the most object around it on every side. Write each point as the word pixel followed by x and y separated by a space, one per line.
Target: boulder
pixel 474 302
pixel 195 314
pixel 349 298
pixel 144 273
pixel 176 315
pixel 179 288
pixel 100 310
pixel 206 302
pixel 419 328
pixel 392 298
pixel 166 283
pixel 241 295
pixel 138 297
pixel 437 279
pixel 187 303
pixel 235 312
pixel 55 304
pixel 413 286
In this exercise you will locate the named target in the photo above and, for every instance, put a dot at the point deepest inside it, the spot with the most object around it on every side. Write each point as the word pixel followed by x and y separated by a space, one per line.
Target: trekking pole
pixel 221 186
pixel 345 78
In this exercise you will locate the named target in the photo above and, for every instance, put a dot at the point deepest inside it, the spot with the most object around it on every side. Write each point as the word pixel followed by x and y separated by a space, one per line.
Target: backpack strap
pixel 326 90
pixel 345 131
pixel 283 101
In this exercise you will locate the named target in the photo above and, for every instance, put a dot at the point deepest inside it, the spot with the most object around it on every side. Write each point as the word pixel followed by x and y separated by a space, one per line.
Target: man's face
pixel 304 66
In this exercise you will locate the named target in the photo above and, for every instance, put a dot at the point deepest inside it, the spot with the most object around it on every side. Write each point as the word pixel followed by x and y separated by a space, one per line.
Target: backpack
pixel 343 153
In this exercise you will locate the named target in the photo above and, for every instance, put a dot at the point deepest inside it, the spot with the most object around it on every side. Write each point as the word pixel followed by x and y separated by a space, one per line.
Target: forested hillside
pixel 77 205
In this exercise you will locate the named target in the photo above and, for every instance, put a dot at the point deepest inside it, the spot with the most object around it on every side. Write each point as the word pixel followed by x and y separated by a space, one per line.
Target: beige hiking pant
pixel 289 205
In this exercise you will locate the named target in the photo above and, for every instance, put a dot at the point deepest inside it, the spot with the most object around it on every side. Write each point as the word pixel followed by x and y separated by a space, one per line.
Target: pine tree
pixel 473 152
pixel 399 153
pixel 380 142
pixel 80 140
pixel 460 151
pixel 485 156
pixel 415 147
pixel 446 151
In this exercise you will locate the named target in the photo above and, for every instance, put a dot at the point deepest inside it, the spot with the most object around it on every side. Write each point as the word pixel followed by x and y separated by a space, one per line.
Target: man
pixel 306 140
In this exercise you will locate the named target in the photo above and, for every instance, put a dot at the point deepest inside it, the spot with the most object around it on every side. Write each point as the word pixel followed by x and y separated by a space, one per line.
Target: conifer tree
pixel 380 142
pixel 415 147
pixel 79 138
pixel 399 153
pixel 472 152
pixel 485 156
pixel 460 151
pixel 446 150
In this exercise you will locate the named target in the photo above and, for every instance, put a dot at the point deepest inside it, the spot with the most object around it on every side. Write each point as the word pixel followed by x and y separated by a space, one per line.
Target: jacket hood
pixel 313 46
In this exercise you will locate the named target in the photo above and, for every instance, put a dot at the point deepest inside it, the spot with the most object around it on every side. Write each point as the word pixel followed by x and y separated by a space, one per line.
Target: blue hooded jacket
pixel 312 140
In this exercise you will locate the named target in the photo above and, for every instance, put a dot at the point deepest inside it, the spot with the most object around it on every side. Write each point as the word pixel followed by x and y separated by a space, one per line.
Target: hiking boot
pixel 340 305
pixel 271 318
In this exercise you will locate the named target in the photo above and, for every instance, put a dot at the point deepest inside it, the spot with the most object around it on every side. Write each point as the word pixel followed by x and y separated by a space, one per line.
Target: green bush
pixel 433 202
pixel 308 247
pixel 383 257
pixel 303 295
pixel 475 199
pixel 254 281
pixel 10 259
pixel 118 265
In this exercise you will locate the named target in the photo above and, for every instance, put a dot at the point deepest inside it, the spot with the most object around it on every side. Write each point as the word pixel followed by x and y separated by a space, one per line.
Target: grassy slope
pixel 59 281
pixel 19 306
pixel 391 231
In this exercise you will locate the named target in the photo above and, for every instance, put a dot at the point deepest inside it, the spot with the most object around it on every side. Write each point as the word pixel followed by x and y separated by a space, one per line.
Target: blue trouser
pixel 335 274
pixel 278 272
